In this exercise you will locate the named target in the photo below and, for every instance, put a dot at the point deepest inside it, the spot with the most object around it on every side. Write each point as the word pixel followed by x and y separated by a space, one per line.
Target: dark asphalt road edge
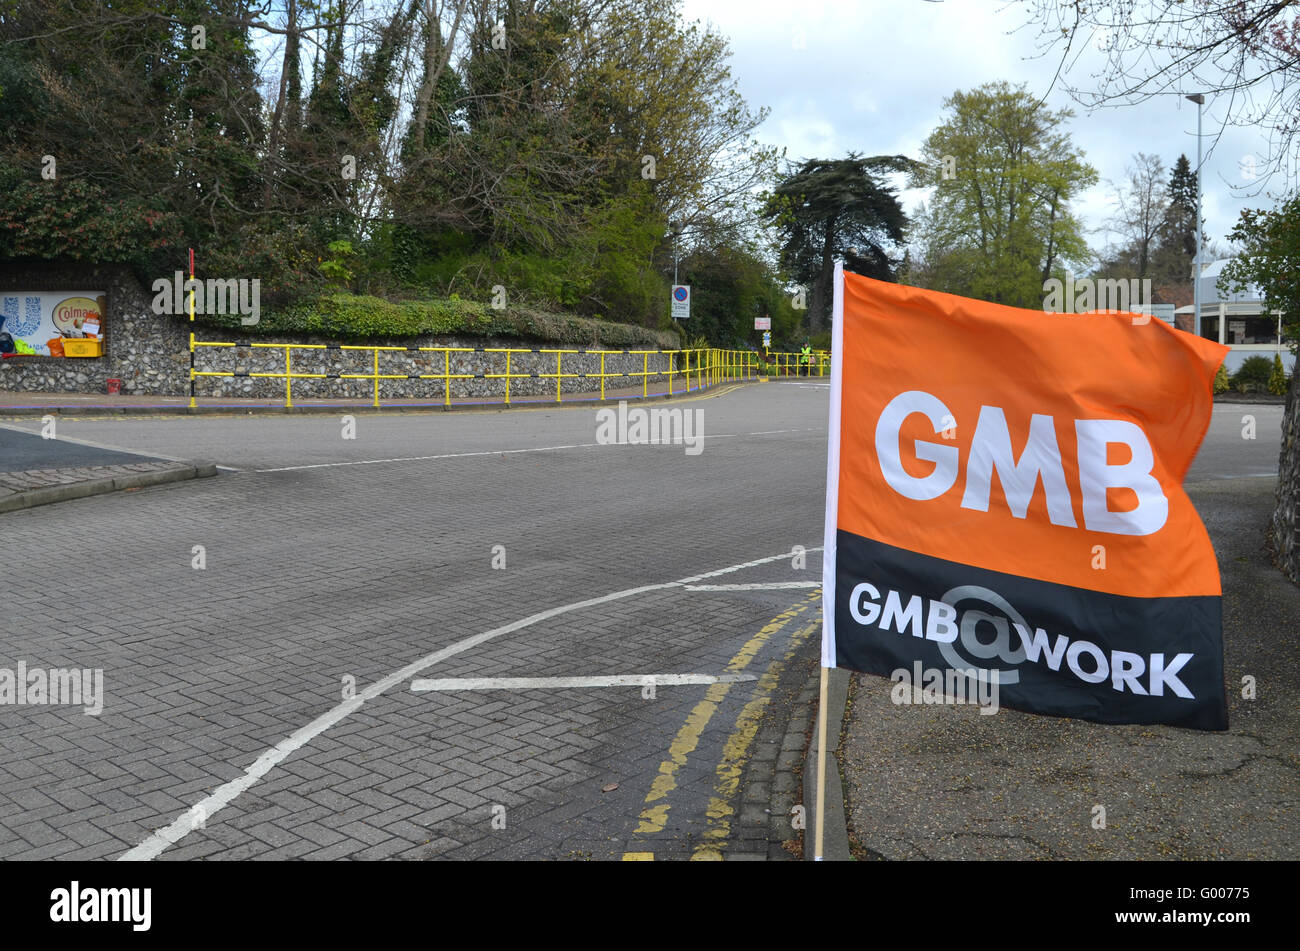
pixel 80 490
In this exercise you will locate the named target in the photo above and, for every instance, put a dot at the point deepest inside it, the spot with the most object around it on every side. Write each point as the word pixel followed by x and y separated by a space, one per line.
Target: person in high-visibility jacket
pixel 805 358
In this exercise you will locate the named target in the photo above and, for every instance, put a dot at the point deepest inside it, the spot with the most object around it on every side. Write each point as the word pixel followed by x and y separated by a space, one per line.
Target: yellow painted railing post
pixel 645 373
pixel 375 350
pixel 507 377
pixel 558 358
pixel 446 377
pixel 192 403
pixel 602 374
pixel 671 355
pixel 288 379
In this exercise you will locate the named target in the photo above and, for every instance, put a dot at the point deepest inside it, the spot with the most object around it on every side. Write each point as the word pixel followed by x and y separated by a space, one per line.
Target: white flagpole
pixel 828 546
pixel 821 767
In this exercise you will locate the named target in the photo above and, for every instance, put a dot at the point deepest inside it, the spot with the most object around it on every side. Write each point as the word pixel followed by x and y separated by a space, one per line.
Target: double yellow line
pixel 654 815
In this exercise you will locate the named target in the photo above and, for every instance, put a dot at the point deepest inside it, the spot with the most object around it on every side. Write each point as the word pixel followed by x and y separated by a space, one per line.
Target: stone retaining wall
pixel 149 353
pixel 476 361
pixel 146 351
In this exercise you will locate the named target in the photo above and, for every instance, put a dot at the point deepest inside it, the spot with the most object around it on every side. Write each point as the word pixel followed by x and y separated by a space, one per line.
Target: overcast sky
pixel 871 75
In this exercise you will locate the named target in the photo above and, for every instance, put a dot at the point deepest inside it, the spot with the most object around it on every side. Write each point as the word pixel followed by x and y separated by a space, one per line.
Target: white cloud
pixel 873 76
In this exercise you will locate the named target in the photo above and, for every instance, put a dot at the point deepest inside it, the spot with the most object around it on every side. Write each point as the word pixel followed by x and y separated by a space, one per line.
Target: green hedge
pixel 354 317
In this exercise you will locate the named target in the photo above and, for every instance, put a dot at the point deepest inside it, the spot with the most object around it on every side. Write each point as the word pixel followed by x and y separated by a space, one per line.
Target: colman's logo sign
pixel 1005 494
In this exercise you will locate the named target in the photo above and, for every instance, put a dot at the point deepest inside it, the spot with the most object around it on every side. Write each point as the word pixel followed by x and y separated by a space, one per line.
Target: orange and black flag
pixel 1004 499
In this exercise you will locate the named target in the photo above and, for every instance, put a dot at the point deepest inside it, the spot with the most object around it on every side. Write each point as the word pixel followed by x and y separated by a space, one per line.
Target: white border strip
pixel 756 586
pixel 833 470
pixel 560 683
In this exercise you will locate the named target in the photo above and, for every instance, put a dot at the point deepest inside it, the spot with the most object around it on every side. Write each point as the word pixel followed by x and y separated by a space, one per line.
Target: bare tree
pixel 1245 50
pixel 1143 201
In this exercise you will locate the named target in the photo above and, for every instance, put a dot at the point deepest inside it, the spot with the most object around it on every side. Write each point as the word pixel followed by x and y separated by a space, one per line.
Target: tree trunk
pixel 288 66
pixel 436 56
pixel 1051 239
pixel 823 292
pixel 1286 516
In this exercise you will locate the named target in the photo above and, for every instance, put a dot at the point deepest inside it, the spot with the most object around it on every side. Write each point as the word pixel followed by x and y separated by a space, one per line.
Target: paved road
pixel 262 706
pixel 324 580
pixel 21 451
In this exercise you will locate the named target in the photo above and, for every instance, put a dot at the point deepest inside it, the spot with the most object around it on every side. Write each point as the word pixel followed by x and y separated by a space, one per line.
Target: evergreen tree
pixel 829 208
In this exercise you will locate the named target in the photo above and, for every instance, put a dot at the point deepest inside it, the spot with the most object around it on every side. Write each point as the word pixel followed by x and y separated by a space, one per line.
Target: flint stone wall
pixel 149 353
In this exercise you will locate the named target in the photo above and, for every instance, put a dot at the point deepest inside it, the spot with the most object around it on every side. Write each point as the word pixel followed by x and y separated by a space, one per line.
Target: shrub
pixel 1221 382
pixel 360 317
pixel 1252 376
pixel 1277 379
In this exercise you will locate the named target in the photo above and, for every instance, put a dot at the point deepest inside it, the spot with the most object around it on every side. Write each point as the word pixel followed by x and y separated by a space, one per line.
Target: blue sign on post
pixel 681 301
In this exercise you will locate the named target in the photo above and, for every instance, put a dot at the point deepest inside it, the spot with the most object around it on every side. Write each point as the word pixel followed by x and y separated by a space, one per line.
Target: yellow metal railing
pixel 792 364
pixel 687 370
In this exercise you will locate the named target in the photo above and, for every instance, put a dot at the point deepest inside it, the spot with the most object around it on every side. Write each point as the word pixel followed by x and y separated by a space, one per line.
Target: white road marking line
pixel 449 455
pixel 759 586
pixel 507 452
pixel 749 564
pixel 533 683
pixel 186 822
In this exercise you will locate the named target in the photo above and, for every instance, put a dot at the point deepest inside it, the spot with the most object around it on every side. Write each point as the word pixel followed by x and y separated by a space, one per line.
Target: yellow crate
pixel 80 347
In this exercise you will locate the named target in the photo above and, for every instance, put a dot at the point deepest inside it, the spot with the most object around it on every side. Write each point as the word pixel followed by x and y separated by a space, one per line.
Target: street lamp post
pixel 1196 272
pixel 677 233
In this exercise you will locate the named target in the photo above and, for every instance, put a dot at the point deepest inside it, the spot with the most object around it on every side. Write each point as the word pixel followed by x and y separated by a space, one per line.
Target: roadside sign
pixel 767 338
pixel 681 301
pixel 762 323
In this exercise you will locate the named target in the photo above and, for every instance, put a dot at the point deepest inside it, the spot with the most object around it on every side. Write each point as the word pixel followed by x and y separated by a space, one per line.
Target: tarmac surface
pixel 21 451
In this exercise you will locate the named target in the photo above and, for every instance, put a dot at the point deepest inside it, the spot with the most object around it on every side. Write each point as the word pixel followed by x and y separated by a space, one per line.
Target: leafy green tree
pixel 829 208
pixel 1270 260
pixel 1004 174
pixel 730 287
